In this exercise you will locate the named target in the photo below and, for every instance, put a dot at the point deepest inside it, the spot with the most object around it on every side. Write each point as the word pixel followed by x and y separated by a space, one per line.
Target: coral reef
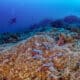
pixel 49 50
pixel 8 38
pixel 72 19
pixel 71 23
pixel 51 55
pixel 57 23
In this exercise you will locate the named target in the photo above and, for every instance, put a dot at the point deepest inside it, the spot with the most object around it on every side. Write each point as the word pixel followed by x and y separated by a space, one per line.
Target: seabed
pixel 52 53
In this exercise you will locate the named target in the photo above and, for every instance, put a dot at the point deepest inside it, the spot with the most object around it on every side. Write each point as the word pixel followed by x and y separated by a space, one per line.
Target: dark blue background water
pixel 28 12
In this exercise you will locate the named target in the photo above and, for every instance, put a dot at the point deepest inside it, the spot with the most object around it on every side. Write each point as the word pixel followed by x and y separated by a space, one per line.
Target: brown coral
pixel 39 58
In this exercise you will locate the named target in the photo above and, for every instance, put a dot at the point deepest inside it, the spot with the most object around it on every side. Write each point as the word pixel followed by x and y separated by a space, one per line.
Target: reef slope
pixel 50 55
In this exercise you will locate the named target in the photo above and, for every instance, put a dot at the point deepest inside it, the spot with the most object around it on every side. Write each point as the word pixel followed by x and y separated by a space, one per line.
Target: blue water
pixel 28 12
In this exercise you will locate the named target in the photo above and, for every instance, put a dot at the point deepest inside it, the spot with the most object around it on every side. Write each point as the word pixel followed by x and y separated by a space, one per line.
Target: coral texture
pixel 54 55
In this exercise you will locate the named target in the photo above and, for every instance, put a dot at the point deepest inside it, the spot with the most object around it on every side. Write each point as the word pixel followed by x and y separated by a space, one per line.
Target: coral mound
pixel 41 58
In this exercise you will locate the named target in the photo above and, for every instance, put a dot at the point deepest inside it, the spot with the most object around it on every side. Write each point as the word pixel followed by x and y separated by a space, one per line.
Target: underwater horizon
pixel 29 12
pixel 39 39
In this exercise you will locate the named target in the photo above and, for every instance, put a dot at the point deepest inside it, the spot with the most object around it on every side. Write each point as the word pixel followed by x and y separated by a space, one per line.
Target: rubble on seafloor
pixel 53 55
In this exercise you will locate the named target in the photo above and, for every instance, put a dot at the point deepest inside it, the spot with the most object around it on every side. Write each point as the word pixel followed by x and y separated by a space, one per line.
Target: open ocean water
pixel 27 13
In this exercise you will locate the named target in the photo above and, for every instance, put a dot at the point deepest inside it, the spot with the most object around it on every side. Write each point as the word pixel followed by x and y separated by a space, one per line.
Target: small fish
pixel 13 20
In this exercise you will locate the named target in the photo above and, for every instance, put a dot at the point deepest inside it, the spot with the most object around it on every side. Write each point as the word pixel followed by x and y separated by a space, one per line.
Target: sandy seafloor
pixel 47 55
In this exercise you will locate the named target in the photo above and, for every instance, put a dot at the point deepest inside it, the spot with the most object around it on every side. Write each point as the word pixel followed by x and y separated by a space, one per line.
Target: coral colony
pixel 49 51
